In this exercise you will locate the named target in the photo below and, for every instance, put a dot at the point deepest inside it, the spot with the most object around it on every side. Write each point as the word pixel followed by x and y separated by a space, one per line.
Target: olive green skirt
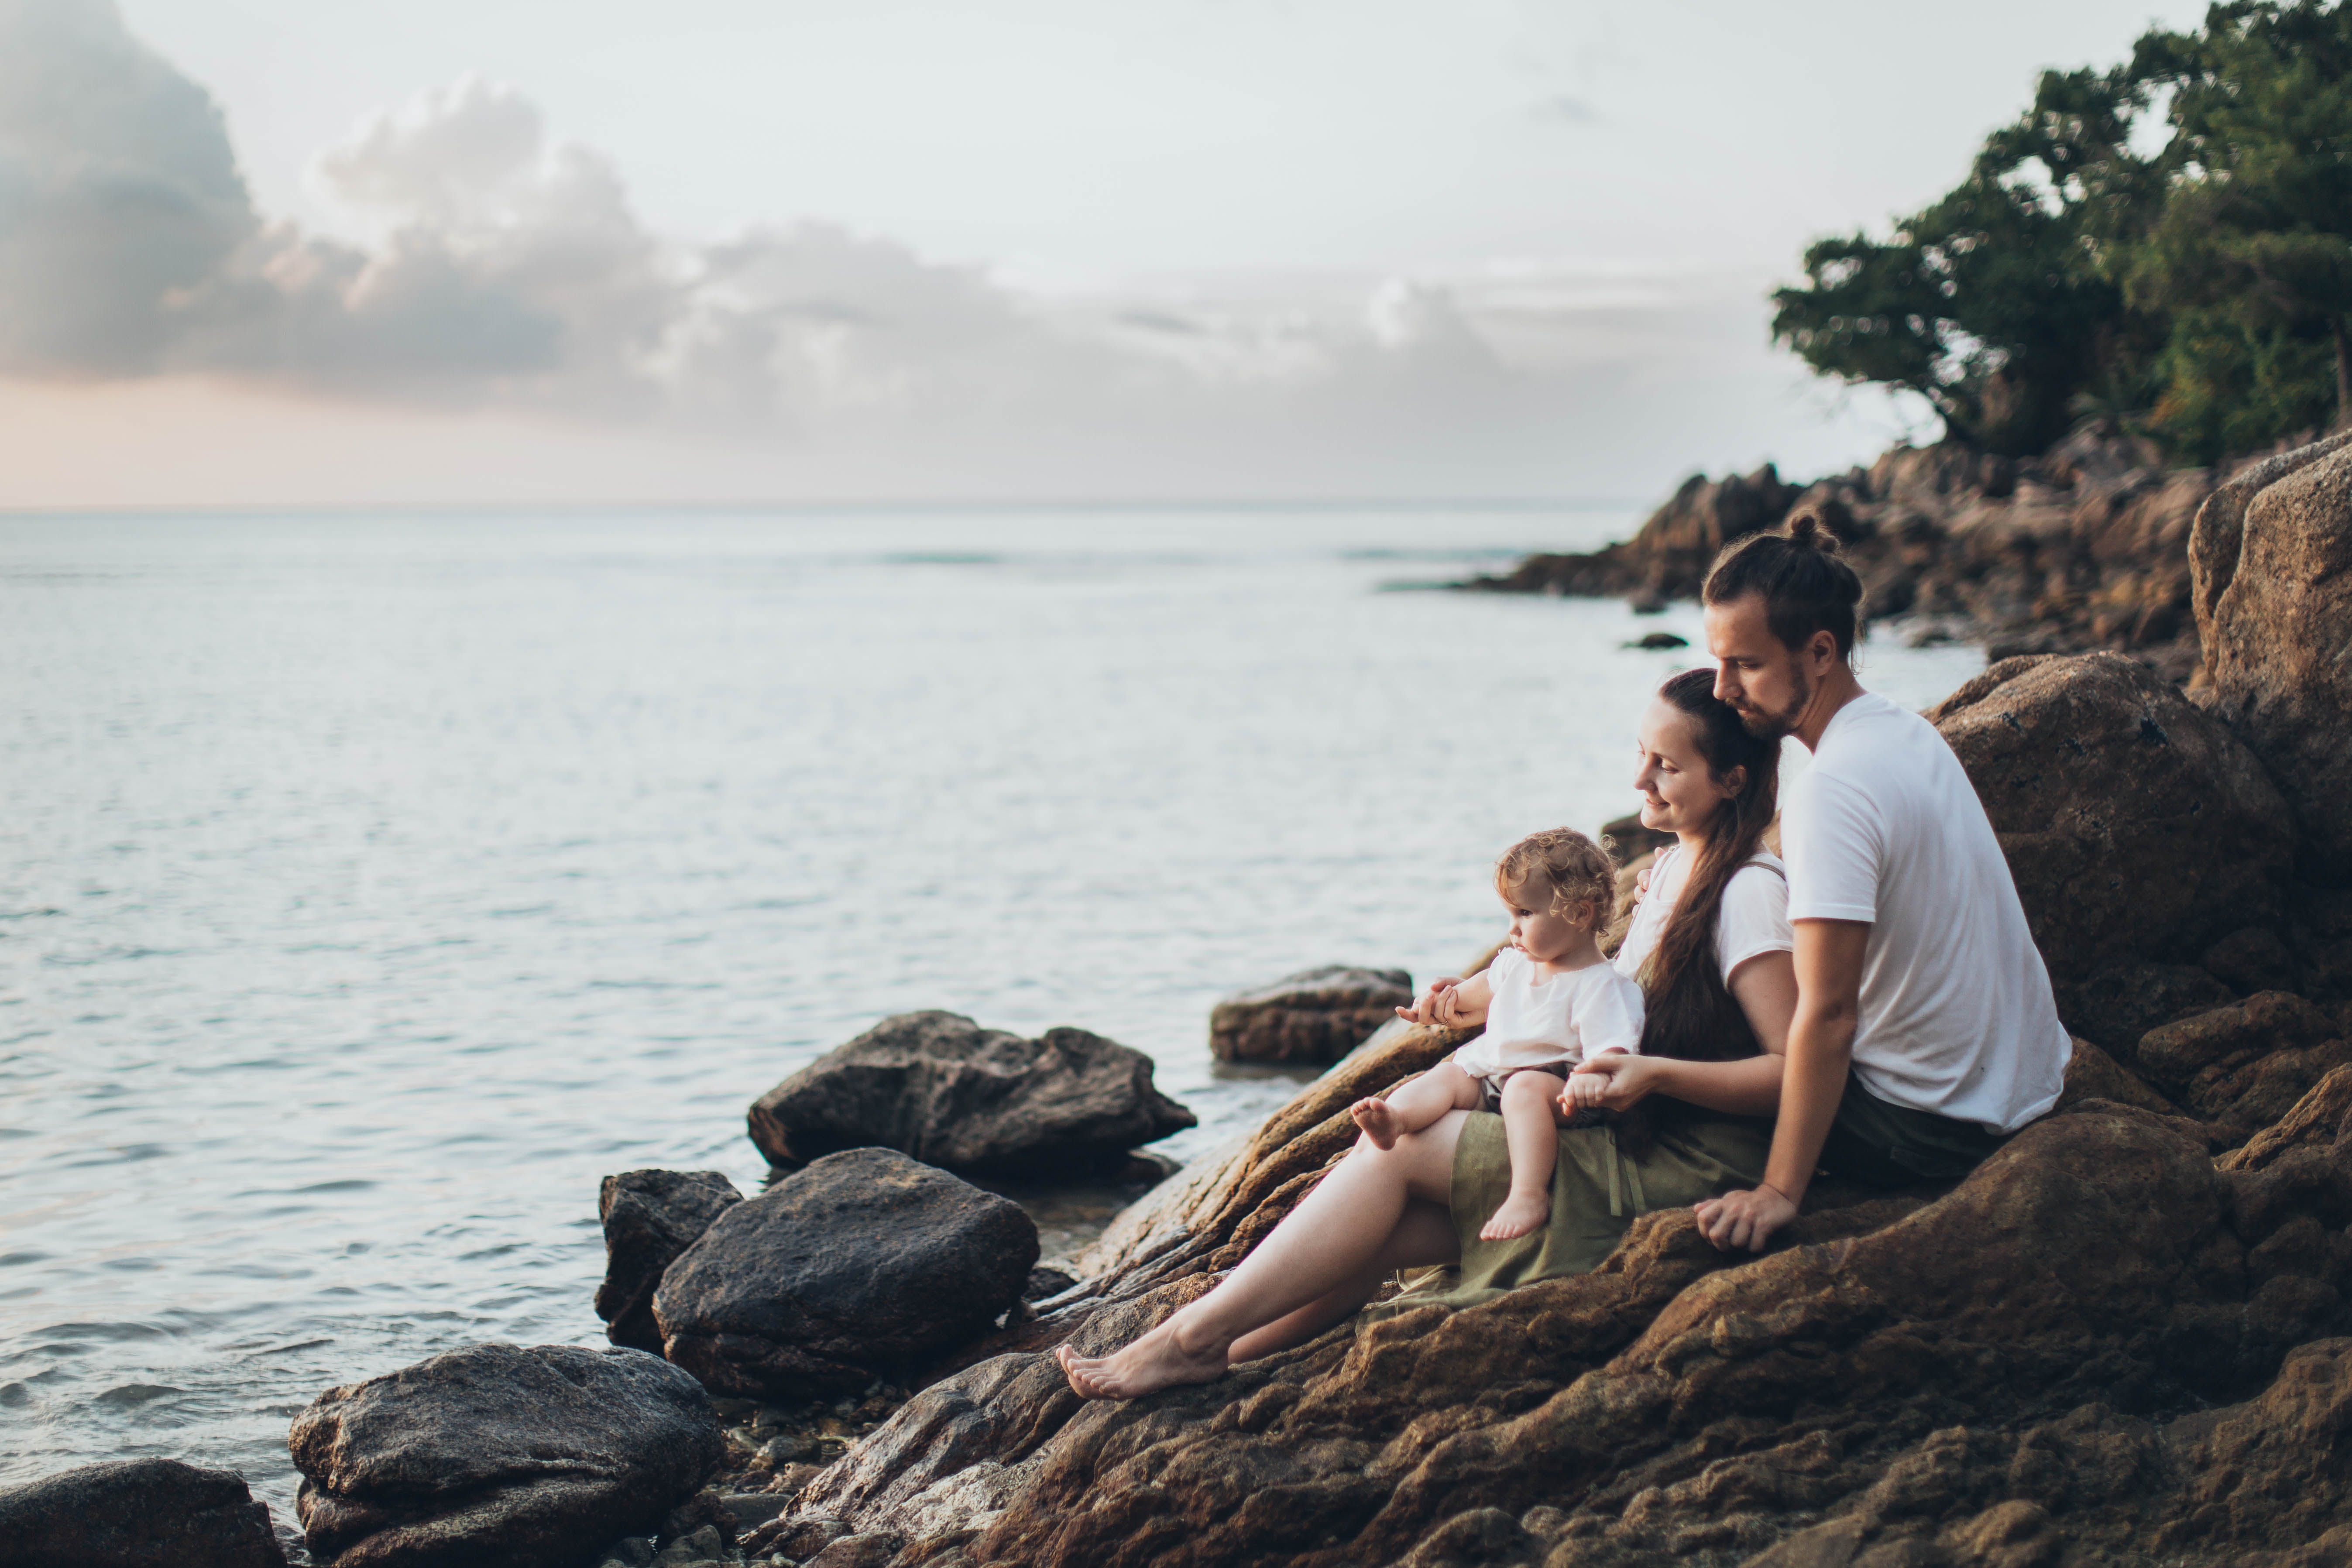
pixel 1598 1190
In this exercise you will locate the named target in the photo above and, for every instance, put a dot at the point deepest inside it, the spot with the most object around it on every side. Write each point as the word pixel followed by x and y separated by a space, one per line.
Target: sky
pixel 272 252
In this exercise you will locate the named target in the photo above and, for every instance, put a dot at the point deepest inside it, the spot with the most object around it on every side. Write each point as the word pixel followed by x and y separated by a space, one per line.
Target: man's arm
pixel 1821 1048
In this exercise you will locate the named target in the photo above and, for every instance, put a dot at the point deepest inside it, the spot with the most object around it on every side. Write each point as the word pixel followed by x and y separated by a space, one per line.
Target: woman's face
pixel 1678 793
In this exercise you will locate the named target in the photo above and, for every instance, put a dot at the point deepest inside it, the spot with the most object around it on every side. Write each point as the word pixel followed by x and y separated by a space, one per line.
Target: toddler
pixel 1549 1001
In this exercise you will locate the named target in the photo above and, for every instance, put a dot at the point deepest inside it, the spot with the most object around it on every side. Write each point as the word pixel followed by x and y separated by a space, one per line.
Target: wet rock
pixel 2135 826
pixel 939 1087
pixel 1315 1016
pixel 649 1218
pixel 860 1264
pixel 2271 557
pixel 136 1513
pixel 498 1454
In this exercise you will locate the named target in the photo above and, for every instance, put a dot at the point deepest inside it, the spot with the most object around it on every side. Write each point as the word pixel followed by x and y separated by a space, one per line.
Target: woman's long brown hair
pixel 1690 1013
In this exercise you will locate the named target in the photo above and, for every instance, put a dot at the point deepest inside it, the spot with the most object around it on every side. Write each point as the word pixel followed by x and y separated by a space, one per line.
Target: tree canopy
pixel 2167 242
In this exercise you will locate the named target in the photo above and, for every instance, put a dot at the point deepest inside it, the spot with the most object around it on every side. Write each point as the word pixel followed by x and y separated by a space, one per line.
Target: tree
pixel 2198 290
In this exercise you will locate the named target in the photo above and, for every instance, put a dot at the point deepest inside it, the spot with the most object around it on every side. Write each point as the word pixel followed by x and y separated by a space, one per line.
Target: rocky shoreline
pixel 2084 548
pixel 2126 1338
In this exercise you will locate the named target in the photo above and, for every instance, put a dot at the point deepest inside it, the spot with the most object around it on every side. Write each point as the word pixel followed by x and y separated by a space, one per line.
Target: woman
pixel 1710 944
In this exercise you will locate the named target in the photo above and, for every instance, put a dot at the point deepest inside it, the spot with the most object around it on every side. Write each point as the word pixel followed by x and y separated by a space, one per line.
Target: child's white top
pixel 1553 1023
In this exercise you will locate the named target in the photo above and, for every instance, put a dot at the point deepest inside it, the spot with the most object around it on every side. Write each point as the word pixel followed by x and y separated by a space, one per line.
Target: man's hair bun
pixel 1808 532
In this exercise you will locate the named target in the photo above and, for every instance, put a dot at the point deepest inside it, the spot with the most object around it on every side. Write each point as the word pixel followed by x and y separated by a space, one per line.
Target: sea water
pixel 371 885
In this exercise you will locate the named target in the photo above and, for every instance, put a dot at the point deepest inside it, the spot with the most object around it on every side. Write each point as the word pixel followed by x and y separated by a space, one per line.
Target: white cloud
pixel 503 270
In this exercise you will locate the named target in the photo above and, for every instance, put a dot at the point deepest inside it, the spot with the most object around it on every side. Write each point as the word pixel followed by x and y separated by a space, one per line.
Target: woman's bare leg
pixel 1424 1236
pixel 1321 1249
pixel 1442 1088
pixel 1529 1131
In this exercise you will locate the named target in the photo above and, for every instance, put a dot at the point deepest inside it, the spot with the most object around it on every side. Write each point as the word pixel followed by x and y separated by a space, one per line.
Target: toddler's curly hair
pixel 1579 872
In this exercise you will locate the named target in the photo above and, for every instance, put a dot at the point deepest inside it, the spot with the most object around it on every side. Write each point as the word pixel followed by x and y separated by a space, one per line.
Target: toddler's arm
pixel 1464 1005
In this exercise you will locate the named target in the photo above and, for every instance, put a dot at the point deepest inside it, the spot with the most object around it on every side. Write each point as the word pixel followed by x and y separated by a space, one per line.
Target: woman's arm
pixel 1765 986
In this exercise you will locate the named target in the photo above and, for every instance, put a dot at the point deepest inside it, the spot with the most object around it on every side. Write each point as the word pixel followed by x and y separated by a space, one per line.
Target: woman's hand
pixel 1626 1081
pixel 1434 1006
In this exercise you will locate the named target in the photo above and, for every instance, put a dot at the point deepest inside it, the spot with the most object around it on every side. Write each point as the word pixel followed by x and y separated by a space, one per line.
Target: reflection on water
pixel 369 887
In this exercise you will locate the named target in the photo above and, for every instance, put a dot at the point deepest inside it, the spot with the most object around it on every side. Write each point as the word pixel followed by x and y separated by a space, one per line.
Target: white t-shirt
pixel 1752 919
pixel 1957 1014
pixel 1559 1022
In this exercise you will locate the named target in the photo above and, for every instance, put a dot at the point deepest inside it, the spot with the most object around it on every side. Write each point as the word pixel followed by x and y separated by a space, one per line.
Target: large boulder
pixel 1315 1016
pixel 937 1087
pixel 500 1456
pixel 2244 1067
pixel 860 1265
pixel 2271 557
pixel 649 1218
pixel 137 1513
pixel 2138 829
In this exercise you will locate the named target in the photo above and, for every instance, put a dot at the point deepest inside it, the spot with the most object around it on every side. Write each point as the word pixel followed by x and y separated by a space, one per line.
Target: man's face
pixel 1762 679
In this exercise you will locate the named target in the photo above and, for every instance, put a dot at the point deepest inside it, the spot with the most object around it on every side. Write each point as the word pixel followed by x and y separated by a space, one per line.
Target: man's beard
pixel 1766 726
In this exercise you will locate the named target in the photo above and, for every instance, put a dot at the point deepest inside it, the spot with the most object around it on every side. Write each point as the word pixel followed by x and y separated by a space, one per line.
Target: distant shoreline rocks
pixel 2083 548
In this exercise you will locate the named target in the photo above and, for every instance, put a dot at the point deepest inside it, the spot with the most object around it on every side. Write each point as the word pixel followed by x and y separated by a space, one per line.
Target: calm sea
pixel 370 886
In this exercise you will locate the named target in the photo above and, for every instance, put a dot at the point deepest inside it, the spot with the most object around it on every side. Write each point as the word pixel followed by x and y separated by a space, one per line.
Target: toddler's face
pixel 1535 930
pixel 1678 793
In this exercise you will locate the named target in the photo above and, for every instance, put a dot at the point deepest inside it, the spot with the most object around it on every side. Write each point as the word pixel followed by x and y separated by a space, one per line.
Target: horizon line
pixel 505 508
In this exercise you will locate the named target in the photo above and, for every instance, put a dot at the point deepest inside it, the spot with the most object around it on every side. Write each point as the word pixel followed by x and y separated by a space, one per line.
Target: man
pixel 1925 1032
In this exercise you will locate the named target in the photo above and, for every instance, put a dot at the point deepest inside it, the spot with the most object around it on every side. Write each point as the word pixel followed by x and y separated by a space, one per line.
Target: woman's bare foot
pixel 1518 1215
pixel 1150 1362
pixel 1378 1120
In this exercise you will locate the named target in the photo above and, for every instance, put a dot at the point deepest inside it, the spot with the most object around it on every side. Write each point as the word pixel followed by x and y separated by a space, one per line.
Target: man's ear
pixel 1821 646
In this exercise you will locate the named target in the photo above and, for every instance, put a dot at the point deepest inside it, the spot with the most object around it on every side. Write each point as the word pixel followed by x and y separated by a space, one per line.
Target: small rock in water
pixel 137 1513
pixel 937 1087
pixel 861 1263
pixel 527 1457
pixel 1659 640
pixel 649 1217
pixel 1315 1016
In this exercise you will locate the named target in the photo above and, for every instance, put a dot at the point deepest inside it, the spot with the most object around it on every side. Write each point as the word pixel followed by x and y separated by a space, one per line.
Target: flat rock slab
pixel 649 1218
pixel 137 1513
pixel 1315 1016
pixel 498 1454
pixel 863 1262
pixel 939 1087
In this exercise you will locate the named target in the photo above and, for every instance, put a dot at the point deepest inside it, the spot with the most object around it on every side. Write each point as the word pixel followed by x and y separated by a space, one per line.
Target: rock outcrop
pixel 1313 1016
pixel 2272 555
pixel 649 1218
pixel 137 1513
pixel 860 1265
pixel 497 1454
pixel 2085 547
pixel 939 1087
pixel 2140 830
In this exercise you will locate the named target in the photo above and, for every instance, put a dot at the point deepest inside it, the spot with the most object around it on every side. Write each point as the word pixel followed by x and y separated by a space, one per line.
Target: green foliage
pixel 2200 290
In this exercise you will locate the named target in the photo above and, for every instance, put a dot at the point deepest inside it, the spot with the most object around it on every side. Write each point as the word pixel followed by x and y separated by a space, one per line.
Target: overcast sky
pixel 277 250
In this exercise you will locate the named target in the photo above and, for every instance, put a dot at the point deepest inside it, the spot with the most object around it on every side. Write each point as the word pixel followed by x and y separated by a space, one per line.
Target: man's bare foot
pixel 1378 1120
pixel 1150 1362
pixel 1517 1216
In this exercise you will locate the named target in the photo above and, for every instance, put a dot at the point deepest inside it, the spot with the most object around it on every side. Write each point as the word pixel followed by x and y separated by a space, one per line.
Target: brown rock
pixel 940 1088
pixel 2245 1066
pixel 2271 557
pixel 136 1513
pixel 1315 1016
pixel 649 1218
pixel 858 1265
pixel 2136 827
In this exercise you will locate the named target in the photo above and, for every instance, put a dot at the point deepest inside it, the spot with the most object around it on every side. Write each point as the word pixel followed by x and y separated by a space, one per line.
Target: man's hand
pixel 1613 1080
pixel 1744 1219
pixel 1434 1006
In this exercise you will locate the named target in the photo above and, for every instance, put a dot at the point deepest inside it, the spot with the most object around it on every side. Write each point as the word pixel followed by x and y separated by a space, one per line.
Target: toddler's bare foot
pixel 1379 1122
pixel 1150 1362
pixel 1517 1216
